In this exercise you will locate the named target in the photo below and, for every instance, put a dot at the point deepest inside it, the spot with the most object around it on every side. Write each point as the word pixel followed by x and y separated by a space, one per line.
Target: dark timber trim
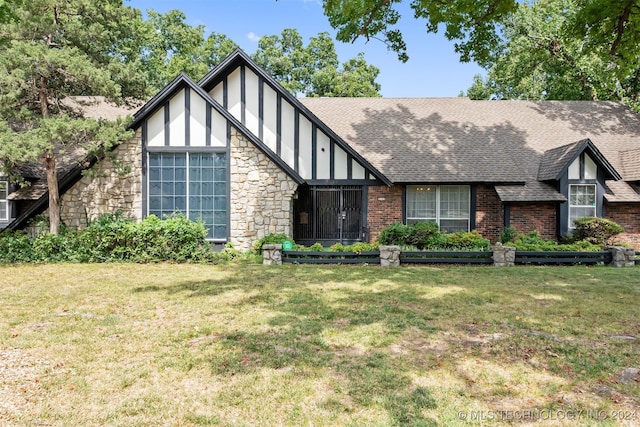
pixel 145 136
pixel 314 149
pixel 296 141
pixel 243 96
pixel 208 120
pixel 187 117
pixel 332 159
pixel 279 125
pixel 167 125
pixel 260 108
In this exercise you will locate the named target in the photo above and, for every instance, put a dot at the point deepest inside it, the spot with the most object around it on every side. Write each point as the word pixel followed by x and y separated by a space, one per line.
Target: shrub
pixel 394 234
pixel 533 242
pixel 471 240
pixel 15 247
pixel 595 230
pixel 270 239
pixel 424 235
pixel 508 234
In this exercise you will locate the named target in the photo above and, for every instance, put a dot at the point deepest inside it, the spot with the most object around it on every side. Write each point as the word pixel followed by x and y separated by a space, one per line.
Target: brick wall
pixel 540 217
pixel 385 207
pixel 489 213
pixel 628 216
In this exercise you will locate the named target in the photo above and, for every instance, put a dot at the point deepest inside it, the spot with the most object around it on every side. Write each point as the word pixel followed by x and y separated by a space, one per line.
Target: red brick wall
pixel 628 216
pixel 540 217
pixel 489 213
pixel 385 208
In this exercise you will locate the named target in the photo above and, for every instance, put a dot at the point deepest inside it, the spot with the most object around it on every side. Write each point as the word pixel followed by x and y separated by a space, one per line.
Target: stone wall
pixel 115 183
pixel 261 195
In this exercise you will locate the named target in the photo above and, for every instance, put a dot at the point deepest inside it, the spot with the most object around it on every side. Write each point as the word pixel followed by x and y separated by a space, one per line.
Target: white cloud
pixel 253 36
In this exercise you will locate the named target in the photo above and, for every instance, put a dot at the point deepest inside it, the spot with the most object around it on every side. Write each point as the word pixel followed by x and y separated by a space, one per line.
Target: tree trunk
pixel 54 197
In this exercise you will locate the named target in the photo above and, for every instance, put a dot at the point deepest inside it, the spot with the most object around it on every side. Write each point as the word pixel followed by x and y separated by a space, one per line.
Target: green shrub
pixel 595 230
pixel 424 235
pixel 533 242
pixel 394 234
pixel 508 234
pixel 270 239
pixel 15 247
pixel 462 240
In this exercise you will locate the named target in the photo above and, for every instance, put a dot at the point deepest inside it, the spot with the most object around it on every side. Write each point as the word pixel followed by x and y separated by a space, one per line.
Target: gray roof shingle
pixel 442 140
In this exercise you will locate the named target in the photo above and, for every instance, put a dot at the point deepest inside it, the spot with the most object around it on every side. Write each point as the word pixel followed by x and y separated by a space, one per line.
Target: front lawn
pixel 294 345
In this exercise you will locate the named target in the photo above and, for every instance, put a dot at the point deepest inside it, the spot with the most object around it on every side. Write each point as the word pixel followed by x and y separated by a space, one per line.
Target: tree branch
pixel 622 21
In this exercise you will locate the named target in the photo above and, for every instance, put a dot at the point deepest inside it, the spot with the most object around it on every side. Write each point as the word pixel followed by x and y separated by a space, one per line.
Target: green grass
pixel 247 345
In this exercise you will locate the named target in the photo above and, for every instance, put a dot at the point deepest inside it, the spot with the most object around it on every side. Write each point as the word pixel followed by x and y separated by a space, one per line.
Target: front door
pixel 328 214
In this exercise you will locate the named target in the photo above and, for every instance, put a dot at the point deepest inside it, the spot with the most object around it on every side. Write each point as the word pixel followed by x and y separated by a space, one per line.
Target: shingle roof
pixel 460 140
pixel 95 107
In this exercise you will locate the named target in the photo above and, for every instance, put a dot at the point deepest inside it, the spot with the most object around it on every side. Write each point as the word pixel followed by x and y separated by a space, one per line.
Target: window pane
pixel 4 210
pixel 454 225
pixel 203 184
pixel 582 202
pixel 421 203
pixel 454 201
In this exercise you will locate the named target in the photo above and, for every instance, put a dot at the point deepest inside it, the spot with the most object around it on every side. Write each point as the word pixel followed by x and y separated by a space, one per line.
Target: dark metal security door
pixel 328 214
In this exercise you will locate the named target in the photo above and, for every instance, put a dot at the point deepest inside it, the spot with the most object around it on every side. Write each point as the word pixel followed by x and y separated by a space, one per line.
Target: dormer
pixel 579 171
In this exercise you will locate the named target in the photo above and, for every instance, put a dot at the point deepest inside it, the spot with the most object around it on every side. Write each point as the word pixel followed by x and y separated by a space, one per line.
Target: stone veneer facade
pixel 108 188
pixel 261 194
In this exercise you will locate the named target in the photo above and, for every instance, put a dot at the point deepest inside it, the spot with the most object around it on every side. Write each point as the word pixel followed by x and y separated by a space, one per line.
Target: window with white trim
pixel 582 201
pixel 447 205
pixel 194 184
pixel 4 203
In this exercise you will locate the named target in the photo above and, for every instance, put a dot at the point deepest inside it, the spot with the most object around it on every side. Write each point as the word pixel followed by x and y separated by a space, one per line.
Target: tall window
pixel 192 183
pixel 447 205
pixel 582 201
pixel 4 203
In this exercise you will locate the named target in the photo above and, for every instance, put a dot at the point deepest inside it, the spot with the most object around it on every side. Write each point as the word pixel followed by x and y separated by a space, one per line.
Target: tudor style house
pixel 240 153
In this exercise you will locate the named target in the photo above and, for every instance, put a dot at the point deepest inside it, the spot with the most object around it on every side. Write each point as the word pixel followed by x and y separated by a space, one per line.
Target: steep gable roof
pixel 554 162
pixel 182 81
pixel 239 57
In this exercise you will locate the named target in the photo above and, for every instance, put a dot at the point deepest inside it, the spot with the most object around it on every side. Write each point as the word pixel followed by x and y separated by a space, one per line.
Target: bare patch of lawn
pixel 246 345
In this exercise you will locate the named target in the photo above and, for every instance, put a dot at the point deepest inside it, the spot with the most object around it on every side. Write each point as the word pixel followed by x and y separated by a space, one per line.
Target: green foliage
pixel 508 234
pixel 595 230
pixel 270 239
pixel 113 238
pixel 533 242
pixel 427 235
pixel 314 70
pixel 394 234
pixel 471 240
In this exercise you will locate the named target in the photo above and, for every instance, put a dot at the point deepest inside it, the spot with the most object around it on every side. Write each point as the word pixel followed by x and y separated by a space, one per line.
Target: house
pixel 240 153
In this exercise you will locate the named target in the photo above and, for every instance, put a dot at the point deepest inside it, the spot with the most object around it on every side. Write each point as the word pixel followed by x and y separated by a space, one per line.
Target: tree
pixel 471 24
pixel 314 70
pixel 599 39
pixel 169 46
pixel 547 55
pixel 57 49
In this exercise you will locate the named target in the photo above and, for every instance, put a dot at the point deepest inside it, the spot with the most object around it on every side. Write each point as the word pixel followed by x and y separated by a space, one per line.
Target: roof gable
pixel 555 162
pixel 331 153
pixel 182 82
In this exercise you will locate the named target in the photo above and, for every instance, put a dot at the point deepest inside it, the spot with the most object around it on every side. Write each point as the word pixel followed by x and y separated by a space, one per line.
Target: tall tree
pixel 169 46
pixel 314 70
pixel 57 49
pixel 548 55
pixel 582 34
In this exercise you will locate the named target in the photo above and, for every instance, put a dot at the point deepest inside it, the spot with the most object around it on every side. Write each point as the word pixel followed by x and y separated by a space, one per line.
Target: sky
pixel 433 69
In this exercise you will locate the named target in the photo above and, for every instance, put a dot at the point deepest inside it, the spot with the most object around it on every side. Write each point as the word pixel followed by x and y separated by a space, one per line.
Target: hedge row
pixel 113 238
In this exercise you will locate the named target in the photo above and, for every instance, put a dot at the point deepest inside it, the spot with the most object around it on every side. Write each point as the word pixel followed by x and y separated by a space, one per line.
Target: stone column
pixel 389 256
pixel 503 256
pixel 621 256
pixel 272 254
